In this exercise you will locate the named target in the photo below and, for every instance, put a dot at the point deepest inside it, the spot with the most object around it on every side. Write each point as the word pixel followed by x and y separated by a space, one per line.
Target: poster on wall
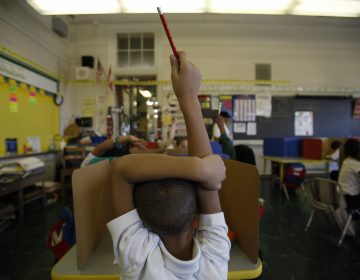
pixel 356 110
pixel 226 103
pixel 263 105
pixel 304 125
pixel 88 107
pixel 251 128
pixel 244 108
pixel 239 127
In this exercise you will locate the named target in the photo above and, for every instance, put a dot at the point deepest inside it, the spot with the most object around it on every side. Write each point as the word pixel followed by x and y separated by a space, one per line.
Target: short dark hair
pixel 179 139
pixel 167 207
pixel 351 148
pixel 225 114
pixel 335 145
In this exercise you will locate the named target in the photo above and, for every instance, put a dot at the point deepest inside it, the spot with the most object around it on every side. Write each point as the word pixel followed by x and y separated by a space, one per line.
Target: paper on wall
pixel 304 125
pixel 251 128
pixel 240 127
pixel 263 105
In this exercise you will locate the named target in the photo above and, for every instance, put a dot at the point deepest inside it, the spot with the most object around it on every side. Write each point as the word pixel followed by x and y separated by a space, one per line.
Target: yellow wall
pixel 39 119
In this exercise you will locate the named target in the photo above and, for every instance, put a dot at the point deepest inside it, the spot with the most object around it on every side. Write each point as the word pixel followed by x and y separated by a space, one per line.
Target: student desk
pixel 100 264
pixel 282 161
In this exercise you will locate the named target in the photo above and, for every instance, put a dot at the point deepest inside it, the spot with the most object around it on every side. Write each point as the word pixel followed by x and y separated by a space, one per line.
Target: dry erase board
pixel 332 118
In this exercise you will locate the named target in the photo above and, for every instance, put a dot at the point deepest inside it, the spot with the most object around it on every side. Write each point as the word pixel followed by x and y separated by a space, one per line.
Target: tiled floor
pixel 289 253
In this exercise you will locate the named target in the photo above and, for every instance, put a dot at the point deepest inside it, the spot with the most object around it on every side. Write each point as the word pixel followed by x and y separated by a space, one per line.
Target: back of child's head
pixel 335 145
pixel 225 115
pixel 181 142
pixel 167 207
pixel 352 148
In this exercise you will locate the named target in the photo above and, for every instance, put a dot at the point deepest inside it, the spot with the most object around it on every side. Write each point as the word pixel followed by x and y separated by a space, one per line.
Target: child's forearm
pixel 137 168
pixel 198 139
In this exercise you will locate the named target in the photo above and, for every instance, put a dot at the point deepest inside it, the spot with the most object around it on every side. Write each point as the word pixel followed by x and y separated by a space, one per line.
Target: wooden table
pixel 100 264
pixel 282 161
pixel 18 186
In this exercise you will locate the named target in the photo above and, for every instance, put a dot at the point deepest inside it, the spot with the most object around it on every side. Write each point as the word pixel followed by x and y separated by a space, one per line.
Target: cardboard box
pixel 93 208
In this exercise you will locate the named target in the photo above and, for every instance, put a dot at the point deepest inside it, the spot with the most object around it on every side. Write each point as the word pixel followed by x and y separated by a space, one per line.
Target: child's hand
pixel 214 171
pixel 137 142
pixel 185 77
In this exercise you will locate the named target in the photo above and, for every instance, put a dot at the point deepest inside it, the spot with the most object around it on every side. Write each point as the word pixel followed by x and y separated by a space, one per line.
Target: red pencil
pixel 167 31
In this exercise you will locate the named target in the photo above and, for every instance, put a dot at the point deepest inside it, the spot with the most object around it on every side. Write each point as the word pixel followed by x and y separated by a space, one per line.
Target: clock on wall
pixel 58 99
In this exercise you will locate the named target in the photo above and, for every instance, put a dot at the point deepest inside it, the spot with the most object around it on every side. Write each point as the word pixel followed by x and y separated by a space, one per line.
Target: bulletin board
pixel 26 111
pixel 332 117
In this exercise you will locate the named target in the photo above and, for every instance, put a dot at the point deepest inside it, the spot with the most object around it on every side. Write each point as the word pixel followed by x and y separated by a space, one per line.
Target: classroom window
pixel 135 50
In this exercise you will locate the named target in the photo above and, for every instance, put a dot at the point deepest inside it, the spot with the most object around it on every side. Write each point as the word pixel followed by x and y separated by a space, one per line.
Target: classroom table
pixel 282 161
pixel 100 264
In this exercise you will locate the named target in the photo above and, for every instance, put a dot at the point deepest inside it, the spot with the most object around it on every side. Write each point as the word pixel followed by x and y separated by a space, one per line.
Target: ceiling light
pixel 149 6
pixel 338 8
pixel 145 93
pixel 149 103
pixel 70 7
pixel 249 7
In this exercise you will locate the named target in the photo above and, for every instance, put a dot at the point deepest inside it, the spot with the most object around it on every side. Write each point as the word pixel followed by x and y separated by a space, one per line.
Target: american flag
pixel 100 72
pixel 109 81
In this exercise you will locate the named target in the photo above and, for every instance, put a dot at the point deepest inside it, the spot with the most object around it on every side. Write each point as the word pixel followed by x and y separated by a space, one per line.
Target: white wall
pixel 310 52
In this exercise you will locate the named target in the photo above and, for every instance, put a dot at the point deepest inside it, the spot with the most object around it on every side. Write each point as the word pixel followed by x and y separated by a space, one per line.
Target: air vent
pixel 84 73
pixel 263 71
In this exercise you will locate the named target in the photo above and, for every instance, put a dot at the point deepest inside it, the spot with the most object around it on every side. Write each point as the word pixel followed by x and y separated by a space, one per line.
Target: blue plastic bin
pixel 282 147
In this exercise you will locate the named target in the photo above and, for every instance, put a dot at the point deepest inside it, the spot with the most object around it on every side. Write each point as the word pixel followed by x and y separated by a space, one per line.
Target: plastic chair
pixel 354 214
pixel 325 200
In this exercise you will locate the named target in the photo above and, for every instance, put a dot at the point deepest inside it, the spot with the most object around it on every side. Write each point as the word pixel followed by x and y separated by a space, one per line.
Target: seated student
pixel 227 126
pixel 349 177
pixel 157 196
pixel 334 160
pixel 113 147
pixel 223 139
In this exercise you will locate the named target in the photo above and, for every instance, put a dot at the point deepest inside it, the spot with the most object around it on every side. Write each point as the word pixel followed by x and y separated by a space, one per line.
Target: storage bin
pixel 313 148
pixel 282 147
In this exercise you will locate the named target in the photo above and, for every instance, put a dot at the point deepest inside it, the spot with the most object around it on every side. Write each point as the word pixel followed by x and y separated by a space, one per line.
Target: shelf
pixel 33 198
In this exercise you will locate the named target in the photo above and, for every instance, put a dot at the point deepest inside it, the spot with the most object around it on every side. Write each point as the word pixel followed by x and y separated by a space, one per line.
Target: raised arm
pixel 186 80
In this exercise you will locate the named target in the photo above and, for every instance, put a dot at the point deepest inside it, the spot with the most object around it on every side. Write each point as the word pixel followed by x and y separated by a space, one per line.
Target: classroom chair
pixel 323 197
pixel 354 214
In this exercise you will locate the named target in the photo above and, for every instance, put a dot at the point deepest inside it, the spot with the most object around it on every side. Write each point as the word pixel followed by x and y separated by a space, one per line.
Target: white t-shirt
pixel 334 163
pixel 349 177
pixel 141 254
pixel 217 132
pixel 87 160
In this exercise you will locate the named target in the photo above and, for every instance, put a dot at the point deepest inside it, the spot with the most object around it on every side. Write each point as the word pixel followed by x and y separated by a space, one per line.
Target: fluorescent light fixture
pixel 145 93
pixel 70 7
pixel 337 8
pixel 167 6
pixel 248 6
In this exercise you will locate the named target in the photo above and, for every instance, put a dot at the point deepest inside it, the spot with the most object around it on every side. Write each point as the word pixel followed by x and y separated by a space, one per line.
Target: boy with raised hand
pixel 157 197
